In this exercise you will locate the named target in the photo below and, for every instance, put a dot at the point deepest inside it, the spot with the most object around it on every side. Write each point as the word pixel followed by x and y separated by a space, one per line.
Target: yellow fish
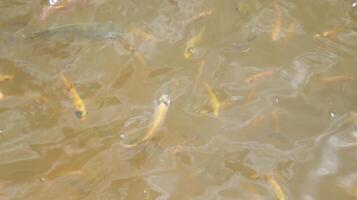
pixel 6 77
pixel 276 187
pixel 215 104
pixel 158 117
pixel 80 109
pixel 190 45
pixel 157 120
pixel 276 31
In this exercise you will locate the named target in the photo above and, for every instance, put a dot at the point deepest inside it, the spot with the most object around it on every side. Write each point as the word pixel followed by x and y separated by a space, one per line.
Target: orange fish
pixel 257 76
pixel 80 109
pixel 200 16
pixel 330 32
pixel 276 30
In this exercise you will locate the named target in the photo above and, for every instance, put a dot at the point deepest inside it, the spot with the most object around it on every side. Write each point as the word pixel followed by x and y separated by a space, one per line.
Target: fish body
pixel 142 35
pixel 276 187
pixel 80 109
pixel 338 78
pixel 107 30
pixel 6 77
pixel 191 43
pixel 157 120
pixel 201 15
pixel 59 5
pixel 330 32
pixel 158 117
pixel 215 104
pixel 276 30
pixel 258 76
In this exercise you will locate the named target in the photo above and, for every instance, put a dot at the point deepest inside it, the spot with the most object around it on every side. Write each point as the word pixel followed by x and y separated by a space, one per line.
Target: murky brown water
pixel 261 99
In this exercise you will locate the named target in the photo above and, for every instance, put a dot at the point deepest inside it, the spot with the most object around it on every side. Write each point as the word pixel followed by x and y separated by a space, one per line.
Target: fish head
pixel 165 99
pixel 80 114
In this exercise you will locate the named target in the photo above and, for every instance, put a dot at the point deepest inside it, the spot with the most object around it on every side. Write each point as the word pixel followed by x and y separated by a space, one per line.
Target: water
pixel 263 100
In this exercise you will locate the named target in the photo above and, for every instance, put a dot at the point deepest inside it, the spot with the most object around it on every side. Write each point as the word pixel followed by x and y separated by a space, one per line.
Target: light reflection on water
pixel 264 95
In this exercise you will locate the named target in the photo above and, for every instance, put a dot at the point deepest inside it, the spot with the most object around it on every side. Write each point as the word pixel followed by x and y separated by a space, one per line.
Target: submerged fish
pixel 276 187
pixel 257 76
pixel 6 77
pixel 276 30
pixel 107 30
pixel 200 16
pixel 141 34
pixel 328 33
pixel 190 45
pixel 80 110
pixel 215 104
pixel 157 120
pixel 59 5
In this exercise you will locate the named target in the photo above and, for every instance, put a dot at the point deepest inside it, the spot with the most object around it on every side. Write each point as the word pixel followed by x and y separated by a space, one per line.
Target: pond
pixel 178 99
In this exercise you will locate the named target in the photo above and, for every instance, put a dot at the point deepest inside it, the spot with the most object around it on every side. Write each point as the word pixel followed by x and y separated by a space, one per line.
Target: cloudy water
pixel 178 99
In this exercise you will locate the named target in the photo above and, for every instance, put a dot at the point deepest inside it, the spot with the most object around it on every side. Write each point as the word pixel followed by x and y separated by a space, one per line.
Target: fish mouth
pixel 165 99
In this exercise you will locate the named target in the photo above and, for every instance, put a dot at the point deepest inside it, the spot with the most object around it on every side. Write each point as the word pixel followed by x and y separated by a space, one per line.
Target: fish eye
pixel 165 99
pixel 79 114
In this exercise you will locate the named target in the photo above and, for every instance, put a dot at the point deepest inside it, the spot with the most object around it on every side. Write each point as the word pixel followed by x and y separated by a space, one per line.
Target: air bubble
pixel 122 136
pixel 332 114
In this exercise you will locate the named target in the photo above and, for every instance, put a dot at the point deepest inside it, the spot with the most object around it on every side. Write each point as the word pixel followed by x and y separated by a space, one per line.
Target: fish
pixel 141 34
pixel 191 43
pixel 251 96
pixel 276 30
pixel 337 78
pixel 215 104
pixel 6 77
pixel 59 5
pixel 80 109
pixel 276 124
pixel 138 55
pixel 256 120
pixel 328 33
pixel 289 33
pixel 200 16
pixel 257 76
pixel 158 117
pixel 276 187
pixel 106 30
pixel 157 120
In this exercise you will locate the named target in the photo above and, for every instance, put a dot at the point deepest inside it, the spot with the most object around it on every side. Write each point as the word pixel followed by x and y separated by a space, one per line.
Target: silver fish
pixel 107 30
